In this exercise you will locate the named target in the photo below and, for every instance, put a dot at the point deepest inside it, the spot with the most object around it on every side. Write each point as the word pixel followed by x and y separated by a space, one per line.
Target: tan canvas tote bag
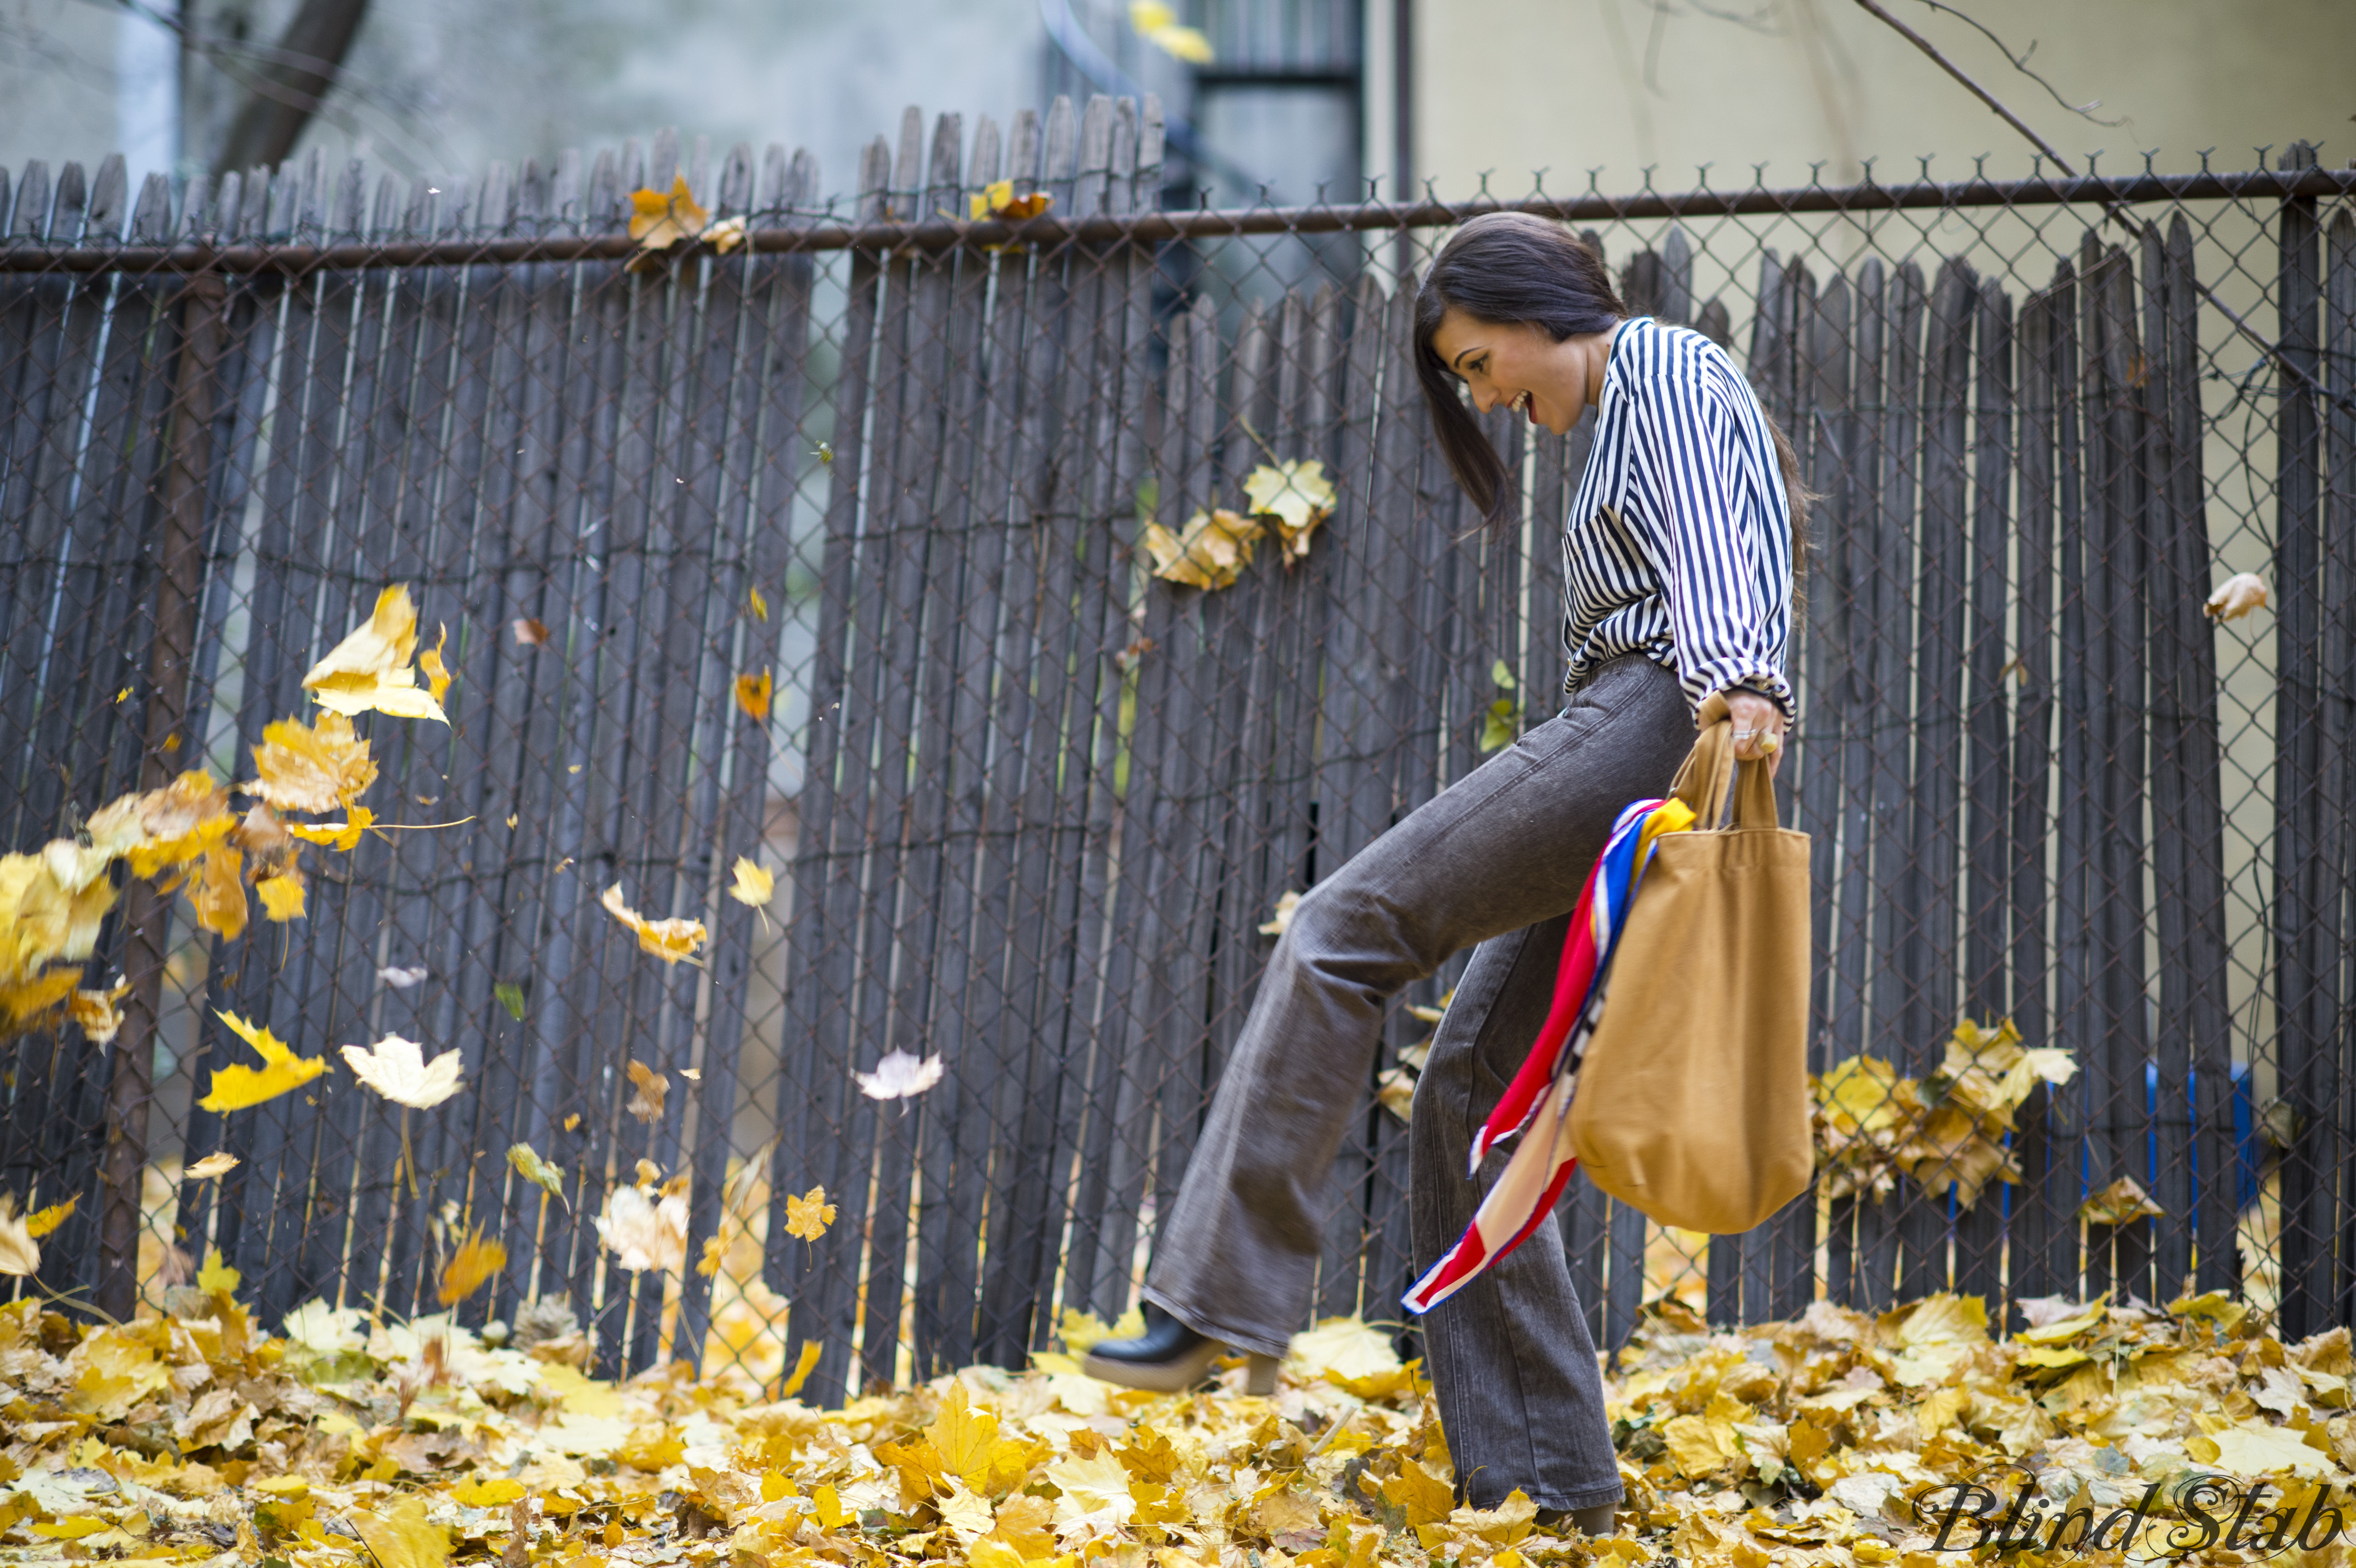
pixel 1692 1102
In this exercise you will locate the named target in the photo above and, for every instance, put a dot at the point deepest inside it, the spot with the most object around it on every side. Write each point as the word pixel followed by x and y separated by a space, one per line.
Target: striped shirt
pixel 1678 545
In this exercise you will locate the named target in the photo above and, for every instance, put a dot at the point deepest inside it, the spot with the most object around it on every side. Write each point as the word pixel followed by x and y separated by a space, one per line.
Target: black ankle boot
pixel 1168 1358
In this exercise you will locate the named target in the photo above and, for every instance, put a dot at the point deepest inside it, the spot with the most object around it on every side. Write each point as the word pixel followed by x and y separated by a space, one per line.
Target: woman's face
pixel 1516 365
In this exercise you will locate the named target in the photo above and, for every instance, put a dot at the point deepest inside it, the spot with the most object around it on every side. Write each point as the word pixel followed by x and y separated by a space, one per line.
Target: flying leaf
pixel 216 893
pixel 397 1069
pixel 668 940
pixel 42 1221
pixel 216 1163
pixel 370 669
pixel 265 841
pixel 437 673
pixel 19 1254
pixel 1280 922
pixel 474 1261
pixel 753 695
pixel 528 1164
pixel 753 885
pixel 1500 724
pixel 808 1216
pixel 1157 25
pixel 165 827
pixel 529 632
pixel 511 997
pixel 804 1364
pixel 899 1075
pixel 1503 676
pixel 282 896
pixel 399 978
pixel 23 1003
pixel 2236 597
pixel 1297 497
pixel 1210 553
pixel 313 767
pixel 653 1089
pixel 644 1231
pixel 756 602
pixel 98 1014
pixel 238 1087
pixel 343 835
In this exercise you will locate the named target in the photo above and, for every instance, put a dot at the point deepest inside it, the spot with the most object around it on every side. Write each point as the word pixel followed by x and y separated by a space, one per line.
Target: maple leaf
pixel 28 1001
pixel 658 221
pixel 41 918
pixel 668 940
pixel 238 1087
pixel 643 1232
pixel 808 1216
pixel 2122 1202
pixel 282 896
pixel 1210 553
pixel 653 1089
pixel 474 1263
pixel 343 835
pixel 1296 496
pixel 753 885
pixel 370 669
pixel 397 1069
pixel 2236 597
pixel 98 1014
pixel 311 767
pixel 1157 25
pixel 19 1254
pixel 540 1173
pixel 216 1163
pixel 165 827
pixel 753 695
pixel 899 1075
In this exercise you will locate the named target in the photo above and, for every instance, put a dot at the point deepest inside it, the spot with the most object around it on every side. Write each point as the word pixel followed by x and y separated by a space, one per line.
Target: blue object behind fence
pixel 2246 1131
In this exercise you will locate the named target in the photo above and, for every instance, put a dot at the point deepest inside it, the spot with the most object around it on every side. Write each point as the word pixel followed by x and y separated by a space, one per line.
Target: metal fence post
pixel 148 913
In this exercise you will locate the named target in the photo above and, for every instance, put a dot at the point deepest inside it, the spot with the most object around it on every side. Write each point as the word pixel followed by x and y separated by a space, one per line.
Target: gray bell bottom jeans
pixel 1494 862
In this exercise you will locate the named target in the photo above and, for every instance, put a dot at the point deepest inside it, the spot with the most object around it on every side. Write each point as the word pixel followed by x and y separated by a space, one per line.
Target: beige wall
pixel 1509 86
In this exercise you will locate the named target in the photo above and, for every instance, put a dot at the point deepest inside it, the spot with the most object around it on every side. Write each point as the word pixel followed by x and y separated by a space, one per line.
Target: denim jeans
pixel 1495 862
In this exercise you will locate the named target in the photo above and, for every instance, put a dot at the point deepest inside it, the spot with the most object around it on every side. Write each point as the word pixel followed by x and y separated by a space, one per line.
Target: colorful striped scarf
pixel 1533 1179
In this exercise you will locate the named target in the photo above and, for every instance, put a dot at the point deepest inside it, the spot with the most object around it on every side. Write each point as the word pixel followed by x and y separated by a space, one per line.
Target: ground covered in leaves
pixel 196 1435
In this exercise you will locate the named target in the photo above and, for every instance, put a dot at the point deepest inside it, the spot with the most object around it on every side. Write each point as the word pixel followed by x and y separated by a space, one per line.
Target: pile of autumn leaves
pixel 193 1436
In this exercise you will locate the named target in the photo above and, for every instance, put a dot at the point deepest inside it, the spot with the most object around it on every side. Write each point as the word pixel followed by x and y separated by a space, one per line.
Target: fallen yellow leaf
pixel 238 1087
pixel 1211 552
pixel 343 835
pixel 653 1089
pixel 282 896
pixel 401 1536
pixel 804 1364
pixel 397 1069
pixel 41 1222
pixel 19 1254
pixel 753 885
pixel 753 694
pixel 1296 496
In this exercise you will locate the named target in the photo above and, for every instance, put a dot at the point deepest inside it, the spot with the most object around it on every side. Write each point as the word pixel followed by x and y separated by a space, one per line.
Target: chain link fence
pixel 813 541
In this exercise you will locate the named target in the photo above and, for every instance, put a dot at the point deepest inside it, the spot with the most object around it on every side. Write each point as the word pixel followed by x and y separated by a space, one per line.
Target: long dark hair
pixel 1507 267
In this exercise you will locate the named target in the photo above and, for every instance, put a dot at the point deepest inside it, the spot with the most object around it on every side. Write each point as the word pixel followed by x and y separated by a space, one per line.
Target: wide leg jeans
pixel 1494 862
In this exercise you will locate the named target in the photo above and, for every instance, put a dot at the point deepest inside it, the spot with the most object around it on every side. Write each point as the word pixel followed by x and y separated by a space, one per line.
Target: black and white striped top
pixel 1678 545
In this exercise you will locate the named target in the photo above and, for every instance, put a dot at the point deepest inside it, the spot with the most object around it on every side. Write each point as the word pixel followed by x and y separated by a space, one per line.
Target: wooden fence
pixel 1029 806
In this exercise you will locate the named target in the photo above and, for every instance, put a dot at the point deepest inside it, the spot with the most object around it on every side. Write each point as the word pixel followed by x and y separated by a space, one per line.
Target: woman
pixel 1677 560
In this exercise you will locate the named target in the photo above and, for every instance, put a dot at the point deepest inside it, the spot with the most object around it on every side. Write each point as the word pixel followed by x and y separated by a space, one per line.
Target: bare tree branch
pixel 1873 8
pixel 2020 63
pixel 308 59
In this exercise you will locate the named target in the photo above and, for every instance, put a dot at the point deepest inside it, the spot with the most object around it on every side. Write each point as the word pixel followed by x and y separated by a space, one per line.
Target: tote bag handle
pixel 1709 777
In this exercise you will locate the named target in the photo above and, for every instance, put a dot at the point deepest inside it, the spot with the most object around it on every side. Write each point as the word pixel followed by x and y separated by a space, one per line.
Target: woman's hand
pixel 1757 727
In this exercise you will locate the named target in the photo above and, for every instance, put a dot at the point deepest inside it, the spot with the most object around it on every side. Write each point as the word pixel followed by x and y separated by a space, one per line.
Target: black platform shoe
pixel 1169 1358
